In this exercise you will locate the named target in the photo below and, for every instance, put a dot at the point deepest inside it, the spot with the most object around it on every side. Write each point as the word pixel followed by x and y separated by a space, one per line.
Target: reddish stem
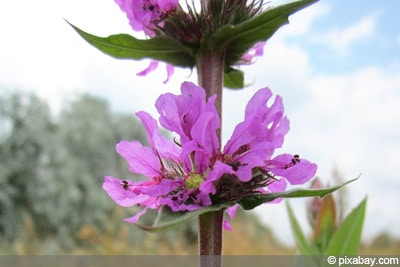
pixel 210 69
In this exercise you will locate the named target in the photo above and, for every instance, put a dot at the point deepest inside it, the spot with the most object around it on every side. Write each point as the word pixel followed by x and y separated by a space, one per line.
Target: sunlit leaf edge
pixel 238 39
pixel 166 219
pixel 253 201
pixel 125 46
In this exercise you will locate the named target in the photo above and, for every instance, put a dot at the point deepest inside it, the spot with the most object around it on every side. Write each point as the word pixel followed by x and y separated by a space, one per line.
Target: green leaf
pixel 346 239
pixel 253 201
pixel 301 241
pixel 239 38
pixel 233 78
pixel 124 46
pixel 166 219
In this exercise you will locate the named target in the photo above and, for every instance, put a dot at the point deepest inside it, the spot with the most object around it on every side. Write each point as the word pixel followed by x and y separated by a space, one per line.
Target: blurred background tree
pixel 51 171
pixel 26 125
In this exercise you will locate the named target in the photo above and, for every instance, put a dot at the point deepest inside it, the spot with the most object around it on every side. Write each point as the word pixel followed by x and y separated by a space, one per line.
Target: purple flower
pixel 190 172
pixel 256 51
pixel 167 18
pixel 146 15
pixel 252 145
pixel 174 178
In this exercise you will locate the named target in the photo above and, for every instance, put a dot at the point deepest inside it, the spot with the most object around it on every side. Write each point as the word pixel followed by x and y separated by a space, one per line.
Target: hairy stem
pixel 210 239
pixel 210 69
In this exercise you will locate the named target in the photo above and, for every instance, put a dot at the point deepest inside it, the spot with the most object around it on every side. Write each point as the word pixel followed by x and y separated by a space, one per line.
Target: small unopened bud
pixel 314 204
pixel 322 217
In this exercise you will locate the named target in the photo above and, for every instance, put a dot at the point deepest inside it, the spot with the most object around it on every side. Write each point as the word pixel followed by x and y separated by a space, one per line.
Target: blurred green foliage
pixel 331 234
pixel 51 170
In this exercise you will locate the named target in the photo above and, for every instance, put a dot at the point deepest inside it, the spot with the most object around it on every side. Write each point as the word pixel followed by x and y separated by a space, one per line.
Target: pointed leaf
pixel 253 201
pixel 124 46
pixel 346 239
pixel 166 219
pixel 233 78
pixel 238 39
pixel 301 241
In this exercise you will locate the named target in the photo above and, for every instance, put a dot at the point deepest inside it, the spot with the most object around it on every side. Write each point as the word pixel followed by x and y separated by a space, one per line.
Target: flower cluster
pixel 147 15
pixel 186 23
pixel 191 172
pixel 169 18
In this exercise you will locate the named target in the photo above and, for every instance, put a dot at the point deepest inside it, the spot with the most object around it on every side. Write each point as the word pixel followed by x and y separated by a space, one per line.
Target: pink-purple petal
pixel 251 159
pixel 278 186
pixel 168 5
pixel 161 188
pixel 141 160
pixel 180 113
pixel 219 169
pixel 144 15
pixel 258 102
pixel 204 132
pixel 232 211
pixel 261 124
pixel 164 147
pixel 170 71
pixel 169 164
pixel 122 197
pixel 256 51
pixel 227 225
pixel 136 218
pixel 201 157
pixel 152 66
pixel 295 173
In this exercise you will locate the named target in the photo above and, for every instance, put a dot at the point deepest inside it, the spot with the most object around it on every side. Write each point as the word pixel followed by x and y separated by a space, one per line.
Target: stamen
pixel 161 162
pixel 176 142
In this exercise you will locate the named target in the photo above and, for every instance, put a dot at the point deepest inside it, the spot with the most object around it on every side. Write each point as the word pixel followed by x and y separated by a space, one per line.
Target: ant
pixel 148 5
pixel 124 185
pixel 294 161
pixel 236 164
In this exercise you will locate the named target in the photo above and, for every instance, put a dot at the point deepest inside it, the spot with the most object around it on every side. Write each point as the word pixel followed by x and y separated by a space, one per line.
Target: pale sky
pixel 336 65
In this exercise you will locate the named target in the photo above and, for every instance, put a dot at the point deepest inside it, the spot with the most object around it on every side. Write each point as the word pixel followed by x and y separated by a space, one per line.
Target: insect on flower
pixel 124 185
pixel 190 173
pixel 294 161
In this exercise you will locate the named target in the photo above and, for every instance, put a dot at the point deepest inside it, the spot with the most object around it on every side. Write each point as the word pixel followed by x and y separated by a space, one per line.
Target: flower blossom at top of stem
pixel 146 15
pixel 190 172
pixel 168 18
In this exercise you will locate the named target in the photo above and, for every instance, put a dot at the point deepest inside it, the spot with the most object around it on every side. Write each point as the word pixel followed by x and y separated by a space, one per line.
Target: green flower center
pixel 194 180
